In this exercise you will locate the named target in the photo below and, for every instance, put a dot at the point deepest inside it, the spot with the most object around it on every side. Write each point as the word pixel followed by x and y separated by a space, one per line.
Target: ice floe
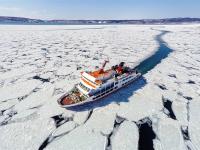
pixel 126 137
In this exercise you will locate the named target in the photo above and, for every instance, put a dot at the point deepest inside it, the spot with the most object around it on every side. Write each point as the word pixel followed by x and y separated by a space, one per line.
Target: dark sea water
pixel 162 52
pixel 146 133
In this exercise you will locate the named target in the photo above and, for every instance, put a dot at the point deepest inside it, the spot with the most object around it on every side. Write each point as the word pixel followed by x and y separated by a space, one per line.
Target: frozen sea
pixel 38 64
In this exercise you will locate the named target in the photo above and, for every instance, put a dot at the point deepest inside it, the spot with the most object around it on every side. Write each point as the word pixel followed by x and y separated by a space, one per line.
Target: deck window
pixel 110 90
pixel 98 91
pixel 112 85
pixel 84 87
pixel 103 90
pixel 107 87
pixel 98 96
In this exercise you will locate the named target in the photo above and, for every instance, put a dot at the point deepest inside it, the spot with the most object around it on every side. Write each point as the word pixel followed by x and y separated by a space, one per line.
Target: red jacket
pixel 119 69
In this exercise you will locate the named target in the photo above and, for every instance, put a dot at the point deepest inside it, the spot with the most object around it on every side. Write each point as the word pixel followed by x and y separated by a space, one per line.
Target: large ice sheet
pixel 17 90
pixel 170 135
pixel 102 119
pixel 126 137
pixel 145 102
pixel 25 135
pixel 194 123
pixel 79 139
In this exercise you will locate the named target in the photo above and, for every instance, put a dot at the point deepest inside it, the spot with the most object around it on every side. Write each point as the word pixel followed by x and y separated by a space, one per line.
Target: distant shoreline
pixel 189 23
pixel 4 20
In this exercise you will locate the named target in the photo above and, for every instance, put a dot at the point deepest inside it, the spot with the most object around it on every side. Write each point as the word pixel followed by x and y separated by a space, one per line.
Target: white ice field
pixel 40 63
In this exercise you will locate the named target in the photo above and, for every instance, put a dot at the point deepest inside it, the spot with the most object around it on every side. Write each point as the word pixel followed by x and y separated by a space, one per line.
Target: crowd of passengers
pixel 120 69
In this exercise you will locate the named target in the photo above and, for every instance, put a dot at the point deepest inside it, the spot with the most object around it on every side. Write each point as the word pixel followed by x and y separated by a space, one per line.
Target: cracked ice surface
pixel 170 135
pixel 40 63
pixel 128 130
pixel 28 134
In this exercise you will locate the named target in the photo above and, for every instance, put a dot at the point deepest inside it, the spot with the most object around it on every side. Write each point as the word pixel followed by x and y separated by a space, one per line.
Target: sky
pixel 100 9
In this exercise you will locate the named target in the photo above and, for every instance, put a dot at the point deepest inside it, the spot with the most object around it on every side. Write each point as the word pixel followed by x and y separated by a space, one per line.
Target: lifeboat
pixel 95 85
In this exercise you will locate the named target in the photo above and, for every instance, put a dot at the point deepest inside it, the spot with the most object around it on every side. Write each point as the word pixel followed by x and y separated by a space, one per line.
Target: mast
pixel 103 66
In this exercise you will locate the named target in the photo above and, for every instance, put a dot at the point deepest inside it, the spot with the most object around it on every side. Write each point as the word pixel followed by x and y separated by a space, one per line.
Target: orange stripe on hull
pixel 88 83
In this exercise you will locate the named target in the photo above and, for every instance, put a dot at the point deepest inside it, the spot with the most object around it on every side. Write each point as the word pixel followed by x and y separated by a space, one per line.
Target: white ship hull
pixel 118 84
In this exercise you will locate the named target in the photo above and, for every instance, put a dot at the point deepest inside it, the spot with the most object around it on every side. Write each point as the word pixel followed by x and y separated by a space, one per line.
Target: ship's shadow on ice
pixel 121 95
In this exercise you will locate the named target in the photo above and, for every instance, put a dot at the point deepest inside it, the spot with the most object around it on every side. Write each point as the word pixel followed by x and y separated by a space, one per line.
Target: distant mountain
pixel 21 20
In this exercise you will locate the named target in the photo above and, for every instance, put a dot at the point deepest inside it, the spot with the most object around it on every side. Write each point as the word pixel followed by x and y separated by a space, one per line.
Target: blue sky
pixel 100 9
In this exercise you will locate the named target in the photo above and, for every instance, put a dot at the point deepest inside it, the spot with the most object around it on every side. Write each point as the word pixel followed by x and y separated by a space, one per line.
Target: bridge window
pixel 84 87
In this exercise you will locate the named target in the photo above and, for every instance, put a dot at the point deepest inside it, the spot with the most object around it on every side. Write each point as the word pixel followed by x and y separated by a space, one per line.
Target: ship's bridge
pixel 92 80
pixel 87 83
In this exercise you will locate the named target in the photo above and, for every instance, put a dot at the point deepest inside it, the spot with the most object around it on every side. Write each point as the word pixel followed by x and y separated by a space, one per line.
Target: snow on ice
pixel 40 63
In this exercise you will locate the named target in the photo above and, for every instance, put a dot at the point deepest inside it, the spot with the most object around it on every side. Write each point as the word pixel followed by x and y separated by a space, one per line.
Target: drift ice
pixel 98 84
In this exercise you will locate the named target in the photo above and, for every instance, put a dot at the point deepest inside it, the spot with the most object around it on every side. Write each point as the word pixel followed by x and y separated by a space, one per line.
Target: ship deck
pixel 98 73
pixel 72 97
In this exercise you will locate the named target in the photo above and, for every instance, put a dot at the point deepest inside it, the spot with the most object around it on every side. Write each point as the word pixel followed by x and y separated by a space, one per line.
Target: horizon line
pixel 102 19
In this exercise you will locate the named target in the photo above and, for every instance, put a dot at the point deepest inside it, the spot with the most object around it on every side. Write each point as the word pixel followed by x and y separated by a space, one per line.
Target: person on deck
pixel 120 68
